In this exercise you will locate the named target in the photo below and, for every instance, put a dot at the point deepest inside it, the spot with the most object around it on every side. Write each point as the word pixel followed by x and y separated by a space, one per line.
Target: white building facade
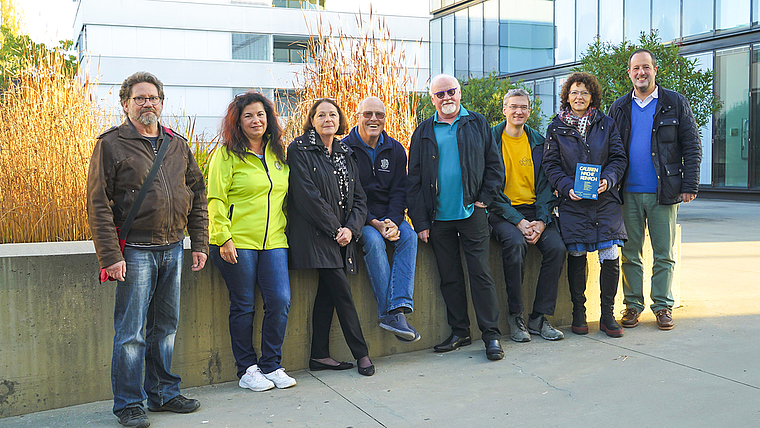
pixel 206 52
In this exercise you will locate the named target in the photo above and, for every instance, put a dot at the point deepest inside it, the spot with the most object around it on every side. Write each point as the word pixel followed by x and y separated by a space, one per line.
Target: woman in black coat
pixel 580 133
pixel 326 211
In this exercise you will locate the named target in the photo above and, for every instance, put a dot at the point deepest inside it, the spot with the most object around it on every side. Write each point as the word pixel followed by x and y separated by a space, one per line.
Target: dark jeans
pixel 146 313
pixel 334 295
pixel 269 270
pixel 513 251
pixel 472 233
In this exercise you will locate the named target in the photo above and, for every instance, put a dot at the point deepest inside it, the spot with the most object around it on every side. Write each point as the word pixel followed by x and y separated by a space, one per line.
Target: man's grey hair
pixel 516 92
pixel 141 76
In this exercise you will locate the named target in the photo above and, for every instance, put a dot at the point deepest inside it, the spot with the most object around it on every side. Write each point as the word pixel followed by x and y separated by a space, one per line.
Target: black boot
pixel 576 278
pixel 608 281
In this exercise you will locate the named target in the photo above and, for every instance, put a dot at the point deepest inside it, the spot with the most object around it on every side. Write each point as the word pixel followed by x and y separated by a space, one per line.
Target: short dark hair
pixel 592 86
pixel 637 51
pixel 307 126
pixel 233 137
pixel 141 76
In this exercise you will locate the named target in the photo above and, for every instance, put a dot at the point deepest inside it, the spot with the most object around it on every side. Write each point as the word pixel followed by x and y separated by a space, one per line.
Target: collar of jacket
pixel 430 122
pixel 302 143
pixel 354 141
pixel 127 130
pixel 534 137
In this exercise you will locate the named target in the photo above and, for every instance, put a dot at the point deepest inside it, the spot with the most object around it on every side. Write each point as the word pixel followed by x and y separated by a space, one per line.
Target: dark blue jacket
pixel 482 168
pixel 384 182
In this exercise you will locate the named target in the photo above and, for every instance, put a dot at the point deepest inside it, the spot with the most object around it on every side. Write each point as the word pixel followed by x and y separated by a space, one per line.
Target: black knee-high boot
pixel 608 281
pixel 576 278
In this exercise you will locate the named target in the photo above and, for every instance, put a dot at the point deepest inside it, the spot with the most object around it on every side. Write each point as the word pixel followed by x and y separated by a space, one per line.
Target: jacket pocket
pixel 667 130
pixel 671 182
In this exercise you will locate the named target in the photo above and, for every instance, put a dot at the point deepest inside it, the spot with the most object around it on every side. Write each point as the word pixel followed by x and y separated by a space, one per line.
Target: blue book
pixel 587 180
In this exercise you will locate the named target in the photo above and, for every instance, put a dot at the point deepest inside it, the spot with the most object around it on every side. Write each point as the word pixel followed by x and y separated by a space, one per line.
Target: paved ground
pixel 704 373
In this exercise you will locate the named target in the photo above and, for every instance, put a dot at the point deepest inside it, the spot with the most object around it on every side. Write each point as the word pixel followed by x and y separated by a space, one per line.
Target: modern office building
pixel 539 41
pixel 207 51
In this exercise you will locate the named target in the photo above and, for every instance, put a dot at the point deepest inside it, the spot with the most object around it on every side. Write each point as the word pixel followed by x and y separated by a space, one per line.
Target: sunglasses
pixel 378 114
pixel 449 92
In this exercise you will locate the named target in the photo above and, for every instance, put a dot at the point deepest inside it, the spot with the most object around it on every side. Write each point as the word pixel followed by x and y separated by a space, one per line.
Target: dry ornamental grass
pixel 49 123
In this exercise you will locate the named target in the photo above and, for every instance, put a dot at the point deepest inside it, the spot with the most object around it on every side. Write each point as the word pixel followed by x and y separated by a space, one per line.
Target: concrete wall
pixel 57 322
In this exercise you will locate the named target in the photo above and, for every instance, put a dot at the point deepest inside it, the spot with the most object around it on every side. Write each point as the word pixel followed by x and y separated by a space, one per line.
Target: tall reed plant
pixel 49 122
pixel 349 69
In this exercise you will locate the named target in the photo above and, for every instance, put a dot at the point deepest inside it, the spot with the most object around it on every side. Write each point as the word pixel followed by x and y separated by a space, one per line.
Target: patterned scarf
pixel 338 161
pixel 579 123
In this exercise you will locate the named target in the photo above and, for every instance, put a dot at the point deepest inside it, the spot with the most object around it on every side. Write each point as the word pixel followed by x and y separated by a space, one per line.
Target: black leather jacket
pixel 482 169
pixel 676 146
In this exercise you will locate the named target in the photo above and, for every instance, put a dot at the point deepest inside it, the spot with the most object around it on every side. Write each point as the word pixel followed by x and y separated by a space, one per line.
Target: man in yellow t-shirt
pixel 522 216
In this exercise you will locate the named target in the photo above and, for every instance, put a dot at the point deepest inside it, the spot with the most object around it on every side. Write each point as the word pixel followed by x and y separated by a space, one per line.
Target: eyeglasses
pixel 368 114
pixel 584 94
pixel 449 92
pixel 516 107
pixel 140 101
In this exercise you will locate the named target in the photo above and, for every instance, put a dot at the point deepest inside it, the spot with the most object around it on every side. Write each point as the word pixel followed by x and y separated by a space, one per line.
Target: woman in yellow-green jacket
pixel 247 185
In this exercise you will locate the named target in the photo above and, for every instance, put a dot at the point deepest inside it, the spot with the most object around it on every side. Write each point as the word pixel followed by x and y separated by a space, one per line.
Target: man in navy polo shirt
pixel 382 171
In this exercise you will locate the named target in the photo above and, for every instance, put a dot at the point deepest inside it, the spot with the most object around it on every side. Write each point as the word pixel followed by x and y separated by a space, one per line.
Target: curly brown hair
pixel 343 123
pixel 592 85
pixel 233 137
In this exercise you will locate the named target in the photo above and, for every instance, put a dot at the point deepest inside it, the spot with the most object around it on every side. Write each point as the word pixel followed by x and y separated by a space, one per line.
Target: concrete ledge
pixel 56 340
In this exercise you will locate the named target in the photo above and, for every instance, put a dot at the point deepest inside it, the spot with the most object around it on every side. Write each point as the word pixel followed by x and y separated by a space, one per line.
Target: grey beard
pixel 148 119
pixel 449 108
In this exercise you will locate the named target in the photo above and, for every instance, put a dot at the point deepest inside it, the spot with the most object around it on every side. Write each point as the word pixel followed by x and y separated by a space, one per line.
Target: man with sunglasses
pixel 148 269
pixel 455 171
pixel 382 171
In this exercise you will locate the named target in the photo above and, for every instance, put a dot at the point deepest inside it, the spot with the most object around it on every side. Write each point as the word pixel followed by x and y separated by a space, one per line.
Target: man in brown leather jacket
pixel 148 272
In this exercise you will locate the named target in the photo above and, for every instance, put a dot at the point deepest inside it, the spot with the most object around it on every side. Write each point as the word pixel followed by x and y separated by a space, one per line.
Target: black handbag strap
pixel 145 186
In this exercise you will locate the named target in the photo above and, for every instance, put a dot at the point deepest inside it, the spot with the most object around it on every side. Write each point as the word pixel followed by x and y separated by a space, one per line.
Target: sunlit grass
pixel 49 122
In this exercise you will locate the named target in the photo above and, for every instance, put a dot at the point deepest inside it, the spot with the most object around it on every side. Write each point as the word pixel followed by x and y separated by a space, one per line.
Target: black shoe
pixel 452 343
pixel 494 350
pixel 316 366
pixel 134 416
pixel 178 404
pixel 366 371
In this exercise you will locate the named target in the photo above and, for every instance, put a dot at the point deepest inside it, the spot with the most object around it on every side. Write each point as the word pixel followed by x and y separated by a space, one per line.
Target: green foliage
pixel 484 95
pixel 609 63
pixel 19 51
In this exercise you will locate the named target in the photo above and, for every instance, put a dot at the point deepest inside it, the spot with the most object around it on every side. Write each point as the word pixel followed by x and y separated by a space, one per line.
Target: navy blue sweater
pixel 384 181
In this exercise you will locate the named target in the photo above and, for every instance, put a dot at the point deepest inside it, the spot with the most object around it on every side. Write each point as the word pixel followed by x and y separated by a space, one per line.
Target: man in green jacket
pixel 522 215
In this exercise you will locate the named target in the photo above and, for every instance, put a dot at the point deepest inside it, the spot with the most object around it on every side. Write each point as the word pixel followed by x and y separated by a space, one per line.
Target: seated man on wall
pixel 382 171
pixel 522 215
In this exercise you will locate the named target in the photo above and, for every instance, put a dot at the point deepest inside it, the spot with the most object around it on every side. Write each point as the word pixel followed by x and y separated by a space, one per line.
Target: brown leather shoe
pixel 664 319
pixel 630 318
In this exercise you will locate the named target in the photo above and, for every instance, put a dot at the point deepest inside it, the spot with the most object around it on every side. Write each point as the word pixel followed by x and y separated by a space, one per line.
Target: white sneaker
pixel 280 379
pixel 254 380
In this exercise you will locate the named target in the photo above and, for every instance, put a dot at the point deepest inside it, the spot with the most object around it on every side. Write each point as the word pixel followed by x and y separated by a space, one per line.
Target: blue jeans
pixel 269 270
pixel 145 320
pixel 393 287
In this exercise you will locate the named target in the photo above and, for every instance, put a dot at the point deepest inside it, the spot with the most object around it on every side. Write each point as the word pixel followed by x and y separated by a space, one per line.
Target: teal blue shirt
pixel 450 200
pixel 370 150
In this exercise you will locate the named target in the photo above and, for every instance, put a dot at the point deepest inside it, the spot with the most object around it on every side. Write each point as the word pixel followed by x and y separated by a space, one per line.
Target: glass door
pixel 731 123
pixel 754 135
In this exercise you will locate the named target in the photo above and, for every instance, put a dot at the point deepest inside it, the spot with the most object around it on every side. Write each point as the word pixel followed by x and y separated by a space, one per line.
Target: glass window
pixel 611 21
pixel 705 62
pixel 754 150
pixel 476 40
pixel 250 46
pixel 300 4
pixel 527 35
pixel 697 17
pixel 558 82
pixel 289 49
pixel 447 61
pixel 435 5
pixel 731 14
pixel 731 122
pixel 564 21
pixel 435 47
pixel 755 7
pixel 636 20
pixel 461 38
pixel 586 18
pixel 544 91
pixel 666 17
pixel 491 36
